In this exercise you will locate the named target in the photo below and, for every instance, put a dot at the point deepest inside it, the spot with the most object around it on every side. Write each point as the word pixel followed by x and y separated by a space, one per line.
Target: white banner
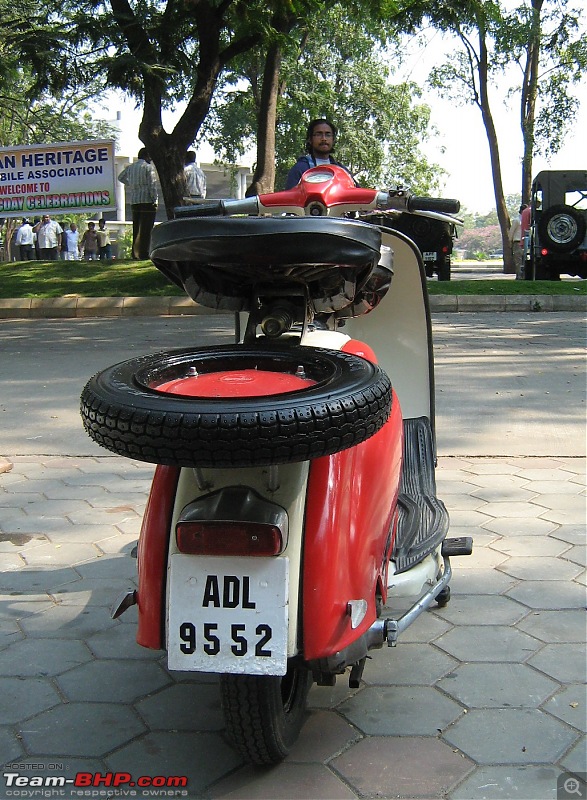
pixel 59 178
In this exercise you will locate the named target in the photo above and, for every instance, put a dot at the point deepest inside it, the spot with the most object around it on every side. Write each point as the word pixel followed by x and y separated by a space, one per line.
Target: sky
pixel 461 147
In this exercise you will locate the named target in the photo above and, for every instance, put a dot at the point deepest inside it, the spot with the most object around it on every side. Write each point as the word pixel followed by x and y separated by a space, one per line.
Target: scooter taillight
pixel 228 538
pixel 232 521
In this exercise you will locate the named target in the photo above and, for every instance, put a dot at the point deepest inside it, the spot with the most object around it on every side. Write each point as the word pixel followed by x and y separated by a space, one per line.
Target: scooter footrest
pixel 418 476
pixel 423 524
pixel 423 518
pixel 458 546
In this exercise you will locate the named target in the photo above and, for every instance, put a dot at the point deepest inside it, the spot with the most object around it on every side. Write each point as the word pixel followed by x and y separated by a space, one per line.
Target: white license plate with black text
pixel 428 256
pixel 228 615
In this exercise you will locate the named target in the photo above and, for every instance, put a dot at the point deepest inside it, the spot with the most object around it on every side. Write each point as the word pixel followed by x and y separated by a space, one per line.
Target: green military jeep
pixel 433 237
pixel 557 241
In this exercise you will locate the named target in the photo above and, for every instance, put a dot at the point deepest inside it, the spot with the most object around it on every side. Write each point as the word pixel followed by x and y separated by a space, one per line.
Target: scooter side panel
pixel 350 501
pixel 400 330
pixel 152 557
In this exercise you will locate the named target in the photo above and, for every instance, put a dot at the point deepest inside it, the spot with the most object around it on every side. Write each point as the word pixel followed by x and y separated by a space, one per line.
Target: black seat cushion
pixel 218 260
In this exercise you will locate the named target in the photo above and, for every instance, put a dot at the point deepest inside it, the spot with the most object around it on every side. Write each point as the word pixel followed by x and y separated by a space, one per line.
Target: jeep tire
pixel 561 228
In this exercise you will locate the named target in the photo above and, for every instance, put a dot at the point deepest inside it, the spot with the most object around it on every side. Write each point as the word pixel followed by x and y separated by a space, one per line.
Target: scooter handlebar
pixel 443 205
pixel 210 209
pixel 398 199
pixel 219 208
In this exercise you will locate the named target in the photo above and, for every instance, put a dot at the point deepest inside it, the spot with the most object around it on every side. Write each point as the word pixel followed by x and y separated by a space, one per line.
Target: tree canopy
pixel 162 53
pixel 298 60
pixel 543 40
pixel 339 71
pixel 43 118
pixel 39 103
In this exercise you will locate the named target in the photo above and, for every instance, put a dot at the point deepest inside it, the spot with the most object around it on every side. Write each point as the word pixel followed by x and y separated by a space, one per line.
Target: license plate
pixel 429 256
pixel 228 615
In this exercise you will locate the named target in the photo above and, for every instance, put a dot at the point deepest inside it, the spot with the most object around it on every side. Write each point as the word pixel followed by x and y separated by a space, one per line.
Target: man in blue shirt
pixel 320 141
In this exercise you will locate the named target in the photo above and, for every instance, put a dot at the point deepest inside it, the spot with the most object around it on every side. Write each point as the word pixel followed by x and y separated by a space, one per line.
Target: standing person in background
pixel 36 220
pixel 71 242
pixel 89 243
pixel 104 242
pixel 516 243
pixel 48 238
pixel 140 179
pixel 320 141
pixel 525 225
pixel 194 177
pixel 14 248
pixel 24 239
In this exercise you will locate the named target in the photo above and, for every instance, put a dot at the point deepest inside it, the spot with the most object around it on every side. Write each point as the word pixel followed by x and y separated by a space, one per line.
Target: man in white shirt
pixel 48 238
pixel 26 242
pixel 104 241
pixel 194 177
pixel 71 239
pixel 140 180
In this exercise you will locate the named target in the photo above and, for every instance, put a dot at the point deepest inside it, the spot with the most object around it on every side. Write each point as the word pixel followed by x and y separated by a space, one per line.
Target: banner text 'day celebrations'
pixel 57 178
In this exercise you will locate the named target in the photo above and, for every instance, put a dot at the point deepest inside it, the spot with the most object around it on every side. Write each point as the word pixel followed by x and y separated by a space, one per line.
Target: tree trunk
pixel 168 150
pixel 263 180
pixel 9 252
pixel 483 101
pixel 528 99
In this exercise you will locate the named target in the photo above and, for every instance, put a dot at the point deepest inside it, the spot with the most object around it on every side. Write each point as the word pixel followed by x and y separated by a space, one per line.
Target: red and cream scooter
pixel 294 499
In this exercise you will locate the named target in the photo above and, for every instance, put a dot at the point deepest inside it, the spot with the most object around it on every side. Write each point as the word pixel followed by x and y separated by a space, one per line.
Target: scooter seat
pixel 218 260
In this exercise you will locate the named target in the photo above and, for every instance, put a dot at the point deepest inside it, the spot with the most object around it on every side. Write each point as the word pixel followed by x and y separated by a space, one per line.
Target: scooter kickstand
pixel 357 673
pixel 123 602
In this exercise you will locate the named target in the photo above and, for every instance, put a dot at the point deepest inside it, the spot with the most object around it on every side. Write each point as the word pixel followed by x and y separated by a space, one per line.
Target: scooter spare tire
pixel 236 406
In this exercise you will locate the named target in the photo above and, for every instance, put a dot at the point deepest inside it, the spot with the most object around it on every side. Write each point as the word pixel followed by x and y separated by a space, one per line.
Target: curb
pixel 80 307
pixel 83 307
pixel 508 302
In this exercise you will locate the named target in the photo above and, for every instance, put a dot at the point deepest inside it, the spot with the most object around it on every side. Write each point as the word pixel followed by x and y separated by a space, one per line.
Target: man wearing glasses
pixel 320 140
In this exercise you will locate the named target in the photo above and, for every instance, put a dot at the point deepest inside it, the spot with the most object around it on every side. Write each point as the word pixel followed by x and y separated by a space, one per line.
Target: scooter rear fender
pixel 348 499
pixel 152 557
pixel 349 532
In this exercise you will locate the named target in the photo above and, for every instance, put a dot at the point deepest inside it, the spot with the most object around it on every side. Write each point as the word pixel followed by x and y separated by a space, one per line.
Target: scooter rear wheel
pixel 264 714
pixel 152 408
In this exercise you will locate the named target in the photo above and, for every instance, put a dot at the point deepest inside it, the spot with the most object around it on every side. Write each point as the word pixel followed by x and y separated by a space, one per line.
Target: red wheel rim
pixel 236 383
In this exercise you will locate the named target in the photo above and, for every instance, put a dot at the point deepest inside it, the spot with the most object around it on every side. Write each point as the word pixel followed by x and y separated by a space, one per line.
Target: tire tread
pixel 256 721
pixel 195 438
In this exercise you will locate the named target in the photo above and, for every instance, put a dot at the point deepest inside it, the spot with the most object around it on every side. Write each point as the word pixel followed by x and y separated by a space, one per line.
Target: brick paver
pixel 487 692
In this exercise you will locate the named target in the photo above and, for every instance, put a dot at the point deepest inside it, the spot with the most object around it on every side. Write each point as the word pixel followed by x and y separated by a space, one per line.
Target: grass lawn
pixel 462 287
pixel 142 279
pixel 83 278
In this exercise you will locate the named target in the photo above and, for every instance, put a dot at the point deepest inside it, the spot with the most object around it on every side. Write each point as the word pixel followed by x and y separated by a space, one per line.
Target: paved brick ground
pixel 482 699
